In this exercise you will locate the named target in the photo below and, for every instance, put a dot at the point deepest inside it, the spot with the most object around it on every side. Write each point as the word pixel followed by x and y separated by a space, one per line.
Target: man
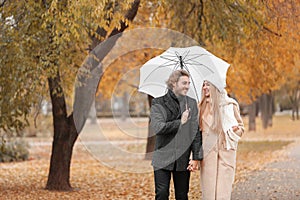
pixel 174 120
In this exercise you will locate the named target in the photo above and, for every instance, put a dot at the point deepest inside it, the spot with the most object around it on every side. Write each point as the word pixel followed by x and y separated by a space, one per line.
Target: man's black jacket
pixel 174 141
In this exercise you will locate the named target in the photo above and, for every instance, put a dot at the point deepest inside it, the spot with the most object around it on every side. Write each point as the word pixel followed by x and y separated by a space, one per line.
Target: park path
pixel 278 180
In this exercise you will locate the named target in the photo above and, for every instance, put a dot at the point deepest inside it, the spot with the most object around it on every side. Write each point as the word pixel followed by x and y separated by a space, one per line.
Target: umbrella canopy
pixel 198 62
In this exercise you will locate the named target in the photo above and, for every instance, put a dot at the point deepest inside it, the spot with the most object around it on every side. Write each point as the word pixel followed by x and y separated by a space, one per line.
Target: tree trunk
pixel 297 112
pixel 62 149
pixel 297 101
pixel 263 103
pixel 125 107
pixel 293 112
pixel 65 135
pixel 59 173
pixel 252 116
pixel 294 99
pixel 65 131
pixel 93 113
pixel 266 111
pixel 271 108
pixel 151 136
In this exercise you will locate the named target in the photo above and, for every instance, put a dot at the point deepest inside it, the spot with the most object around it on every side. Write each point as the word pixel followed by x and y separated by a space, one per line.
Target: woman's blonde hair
pixel 214 99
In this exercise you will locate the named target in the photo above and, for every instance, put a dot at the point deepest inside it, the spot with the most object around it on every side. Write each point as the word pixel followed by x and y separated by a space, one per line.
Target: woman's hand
pixel 193 165
pixel 235 128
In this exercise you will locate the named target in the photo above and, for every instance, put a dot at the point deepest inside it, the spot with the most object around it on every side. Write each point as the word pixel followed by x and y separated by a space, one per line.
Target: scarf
pixel 228 120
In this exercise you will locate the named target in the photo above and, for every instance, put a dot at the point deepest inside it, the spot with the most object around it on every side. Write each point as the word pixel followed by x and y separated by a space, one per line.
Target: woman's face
pixel 205 89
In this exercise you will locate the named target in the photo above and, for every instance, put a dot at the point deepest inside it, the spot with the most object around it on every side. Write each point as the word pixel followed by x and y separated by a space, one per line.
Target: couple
pixel 179 131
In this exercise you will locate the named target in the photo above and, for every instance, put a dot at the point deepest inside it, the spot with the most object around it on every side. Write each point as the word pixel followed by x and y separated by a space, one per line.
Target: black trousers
pixel 181 181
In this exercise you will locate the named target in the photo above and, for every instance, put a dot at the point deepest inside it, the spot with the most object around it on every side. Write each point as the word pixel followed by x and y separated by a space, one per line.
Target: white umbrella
pixel 200 64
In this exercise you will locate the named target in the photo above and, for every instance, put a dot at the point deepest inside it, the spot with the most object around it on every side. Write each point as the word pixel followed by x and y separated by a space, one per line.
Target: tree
pixel 54 177
pixel 51 38
pixel 263 64
pixel 291 89
pixel 286 15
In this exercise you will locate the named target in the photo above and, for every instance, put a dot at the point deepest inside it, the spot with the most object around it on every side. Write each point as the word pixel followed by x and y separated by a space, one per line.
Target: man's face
pixel 182 86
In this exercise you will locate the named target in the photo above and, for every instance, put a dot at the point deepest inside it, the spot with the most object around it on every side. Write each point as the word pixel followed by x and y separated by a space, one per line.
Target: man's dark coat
pixel 174 141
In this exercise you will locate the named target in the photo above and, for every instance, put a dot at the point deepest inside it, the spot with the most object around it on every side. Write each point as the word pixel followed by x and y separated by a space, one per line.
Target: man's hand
pixel 185 116
pixel 193 165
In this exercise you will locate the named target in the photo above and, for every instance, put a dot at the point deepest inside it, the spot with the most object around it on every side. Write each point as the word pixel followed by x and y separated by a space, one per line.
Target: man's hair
pixel 174 77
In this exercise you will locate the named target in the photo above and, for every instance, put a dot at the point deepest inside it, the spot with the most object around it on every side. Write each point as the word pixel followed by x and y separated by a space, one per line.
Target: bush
pixel 14 150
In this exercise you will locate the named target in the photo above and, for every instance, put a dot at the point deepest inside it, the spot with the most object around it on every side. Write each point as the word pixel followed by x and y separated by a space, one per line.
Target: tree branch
pixel 2 2
pixel 81 106
pixel 270 31
pixel 103 33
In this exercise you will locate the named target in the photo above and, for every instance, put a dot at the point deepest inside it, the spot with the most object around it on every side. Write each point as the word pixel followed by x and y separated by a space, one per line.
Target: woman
pixel 222 127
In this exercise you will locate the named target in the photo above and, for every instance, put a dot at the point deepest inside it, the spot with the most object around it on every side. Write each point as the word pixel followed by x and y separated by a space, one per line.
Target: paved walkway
pixel 278 180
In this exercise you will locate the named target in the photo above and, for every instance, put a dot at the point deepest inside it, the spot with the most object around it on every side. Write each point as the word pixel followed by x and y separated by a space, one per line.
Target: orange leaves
pixel 121 66
pixel 267 60
pixel 94 180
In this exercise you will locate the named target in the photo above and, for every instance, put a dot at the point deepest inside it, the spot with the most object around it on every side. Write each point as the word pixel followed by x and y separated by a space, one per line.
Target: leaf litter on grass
pixel 26 180
pixel 94 180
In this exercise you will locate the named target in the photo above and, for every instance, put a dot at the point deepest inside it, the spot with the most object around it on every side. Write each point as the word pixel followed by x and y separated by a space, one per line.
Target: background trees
pixel 268 60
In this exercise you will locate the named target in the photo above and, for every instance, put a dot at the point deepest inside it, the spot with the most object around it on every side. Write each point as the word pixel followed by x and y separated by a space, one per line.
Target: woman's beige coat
pixel 219 162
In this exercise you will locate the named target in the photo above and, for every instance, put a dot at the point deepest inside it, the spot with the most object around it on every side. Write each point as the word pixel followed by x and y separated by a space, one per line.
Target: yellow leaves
pixel 126 5
pixel 266 61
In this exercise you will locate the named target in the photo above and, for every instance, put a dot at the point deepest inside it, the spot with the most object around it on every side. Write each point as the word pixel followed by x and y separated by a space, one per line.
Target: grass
pixel 283 128
pixel 260 146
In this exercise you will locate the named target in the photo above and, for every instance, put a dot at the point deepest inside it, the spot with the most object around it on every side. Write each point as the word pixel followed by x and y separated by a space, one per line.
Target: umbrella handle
pixel 187 108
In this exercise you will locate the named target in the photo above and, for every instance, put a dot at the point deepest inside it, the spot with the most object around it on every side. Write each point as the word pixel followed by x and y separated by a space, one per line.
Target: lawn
pixel 113 165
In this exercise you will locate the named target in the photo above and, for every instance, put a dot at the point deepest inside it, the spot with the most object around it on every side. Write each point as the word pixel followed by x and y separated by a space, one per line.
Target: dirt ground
pixel 111 165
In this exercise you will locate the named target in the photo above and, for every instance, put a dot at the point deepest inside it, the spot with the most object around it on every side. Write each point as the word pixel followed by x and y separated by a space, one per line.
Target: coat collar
pixel 172 103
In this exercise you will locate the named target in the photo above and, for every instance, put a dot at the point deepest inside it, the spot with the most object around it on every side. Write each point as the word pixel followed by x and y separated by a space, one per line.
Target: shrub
pixel 14 150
